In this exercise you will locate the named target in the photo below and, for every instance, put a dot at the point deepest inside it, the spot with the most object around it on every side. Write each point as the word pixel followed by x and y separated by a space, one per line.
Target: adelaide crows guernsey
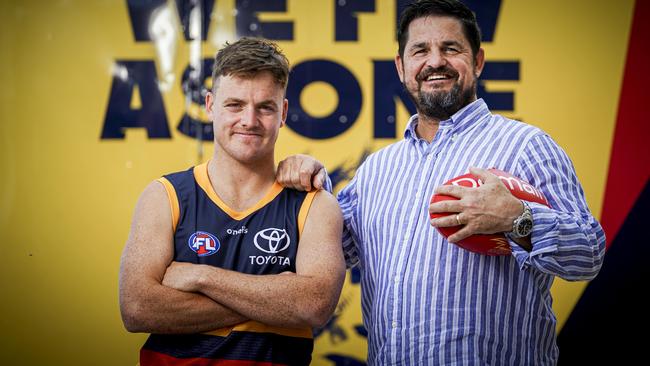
pixel 262 240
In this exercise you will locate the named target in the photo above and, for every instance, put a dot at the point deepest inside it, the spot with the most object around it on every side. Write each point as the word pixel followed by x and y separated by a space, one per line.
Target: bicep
pixel 149 248
pixel 549 168
pixel 319 250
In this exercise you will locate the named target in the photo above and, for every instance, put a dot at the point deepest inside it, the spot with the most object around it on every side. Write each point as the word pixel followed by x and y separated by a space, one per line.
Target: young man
pixel 426 301
pixel 222 263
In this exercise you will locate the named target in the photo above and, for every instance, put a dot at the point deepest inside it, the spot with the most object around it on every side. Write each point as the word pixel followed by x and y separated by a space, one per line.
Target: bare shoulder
pixel 153 202
pixel 320 243
pixel 152 219
pixel 154 192
pixel 325 204
pixel 326 198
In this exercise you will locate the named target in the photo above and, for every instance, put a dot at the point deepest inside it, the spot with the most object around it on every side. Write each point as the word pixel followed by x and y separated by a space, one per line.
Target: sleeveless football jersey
pixel 261 240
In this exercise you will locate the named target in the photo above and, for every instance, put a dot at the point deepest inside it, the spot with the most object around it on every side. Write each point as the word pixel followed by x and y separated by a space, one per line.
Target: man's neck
pixel 240 186
pixel 427 128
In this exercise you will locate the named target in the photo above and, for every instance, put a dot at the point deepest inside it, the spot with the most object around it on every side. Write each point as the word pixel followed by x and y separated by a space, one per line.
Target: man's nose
pixel 436 59
pixel 249 116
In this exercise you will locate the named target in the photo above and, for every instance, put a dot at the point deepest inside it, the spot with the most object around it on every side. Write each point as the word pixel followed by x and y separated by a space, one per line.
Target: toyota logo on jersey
pixel 204 244
pixel 272 240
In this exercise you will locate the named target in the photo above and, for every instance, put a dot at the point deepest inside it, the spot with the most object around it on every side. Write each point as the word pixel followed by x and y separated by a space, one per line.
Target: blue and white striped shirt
pixel 428 302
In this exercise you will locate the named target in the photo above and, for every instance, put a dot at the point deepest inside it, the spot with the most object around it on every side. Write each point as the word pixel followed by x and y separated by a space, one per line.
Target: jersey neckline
pixel 203 179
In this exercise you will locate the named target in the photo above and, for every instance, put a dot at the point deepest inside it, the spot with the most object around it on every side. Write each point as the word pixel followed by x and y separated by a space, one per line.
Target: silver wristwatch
pixel 523 225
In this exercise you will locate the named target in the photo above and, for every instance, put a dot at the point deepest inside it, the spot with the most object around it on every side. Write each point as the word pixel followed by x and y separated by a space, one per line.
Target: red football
pixel 488 244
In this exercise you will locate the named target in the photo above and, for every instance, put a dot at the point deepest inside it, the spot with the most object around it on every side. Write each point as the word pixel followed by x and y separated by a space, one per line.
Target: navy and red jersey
pixel 261 240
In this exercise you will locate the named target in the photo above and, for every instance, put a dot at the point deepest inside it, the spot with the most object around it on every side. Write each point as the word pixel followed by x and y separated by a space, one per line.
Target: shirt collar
pixel 459 121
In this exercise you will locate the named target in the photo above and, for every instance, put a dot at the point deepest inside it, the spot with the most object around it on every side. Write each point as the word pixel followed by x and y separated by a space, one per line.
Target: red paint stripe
pixel 629 167
pixel 148 358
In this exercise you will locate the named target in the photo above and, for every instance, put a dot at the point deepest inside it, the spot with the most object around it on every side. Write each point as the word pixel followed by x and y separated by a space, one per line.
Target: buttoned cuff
pixel 543 238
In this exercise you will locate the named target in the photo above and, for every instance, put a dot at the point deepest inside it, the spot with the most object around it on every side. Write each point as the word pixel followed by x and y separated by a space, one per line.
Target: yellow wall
pixel 66 197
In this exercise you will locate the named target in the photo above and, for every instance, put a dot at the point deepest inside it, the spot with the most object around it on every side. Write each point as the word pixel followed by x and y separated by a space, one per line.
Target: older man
pixel 424 300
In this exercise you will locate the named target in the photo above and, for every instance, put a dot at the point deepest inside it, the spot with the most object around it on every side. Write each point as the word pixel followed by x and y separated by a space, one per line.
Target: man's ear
pixel 479 62
pixel 285 111
pixel 400 67
pixel 209 103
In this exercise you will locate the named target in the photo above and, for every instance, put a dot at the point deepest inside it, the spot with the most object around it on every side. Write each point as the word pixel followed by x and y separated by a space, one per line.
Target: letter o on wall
pixel 347 110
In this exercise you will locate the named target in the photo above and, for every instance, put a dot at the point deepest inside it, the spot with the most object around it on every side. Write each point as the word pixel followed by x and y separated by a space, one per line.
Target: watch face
pixel 525 227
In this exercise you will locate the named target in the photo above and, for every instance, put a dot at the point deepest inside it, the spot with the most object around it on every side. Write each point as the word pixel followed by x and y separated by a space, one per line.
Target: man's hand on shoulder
pixel 301 172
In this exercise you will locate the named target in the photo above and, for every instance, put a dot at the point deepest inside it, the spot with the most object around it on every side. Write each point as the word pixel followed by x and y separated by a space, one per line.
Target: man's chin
pixel 442 105
pixel 439 110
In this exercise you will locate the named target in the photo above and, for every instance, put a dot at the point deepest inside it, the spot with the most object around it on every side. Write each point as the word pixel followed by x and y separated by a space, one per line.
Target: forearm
pixel 286 300
pixel 160 309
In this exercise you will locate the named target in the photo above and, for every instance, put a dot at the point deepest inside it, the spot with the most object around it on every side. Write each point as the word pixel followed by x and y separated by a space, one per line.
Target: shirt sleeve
pixel 327 184
pixel 348 200
pixel 567 240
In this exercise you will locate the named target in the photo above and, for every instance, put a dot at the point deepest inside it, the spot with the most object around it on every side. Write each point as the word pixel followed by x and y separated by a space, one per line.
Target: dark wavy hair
pixel 448 8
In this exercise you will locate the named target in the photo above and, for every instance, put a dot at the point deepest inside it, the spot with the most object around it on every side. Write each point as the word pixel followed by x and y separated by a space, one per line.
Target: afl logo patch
pixel 204 244
pixel 272 240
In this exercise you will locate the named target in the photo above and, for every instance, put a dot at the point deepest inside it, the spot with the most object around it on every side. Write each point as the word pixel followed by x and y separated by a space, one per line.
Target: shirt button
pixel 394 324
pixel 396 279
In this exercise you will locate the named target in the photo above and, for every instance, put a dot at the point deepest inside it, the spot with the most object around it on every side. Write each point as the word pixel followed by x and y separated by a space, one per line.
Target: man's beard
pixel 441 105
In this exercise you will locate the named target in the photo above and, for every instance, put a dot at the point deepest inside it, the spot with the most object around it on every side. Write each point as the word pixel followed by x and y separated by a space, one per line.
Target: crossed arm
pixel 161 296
pixel 306 298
